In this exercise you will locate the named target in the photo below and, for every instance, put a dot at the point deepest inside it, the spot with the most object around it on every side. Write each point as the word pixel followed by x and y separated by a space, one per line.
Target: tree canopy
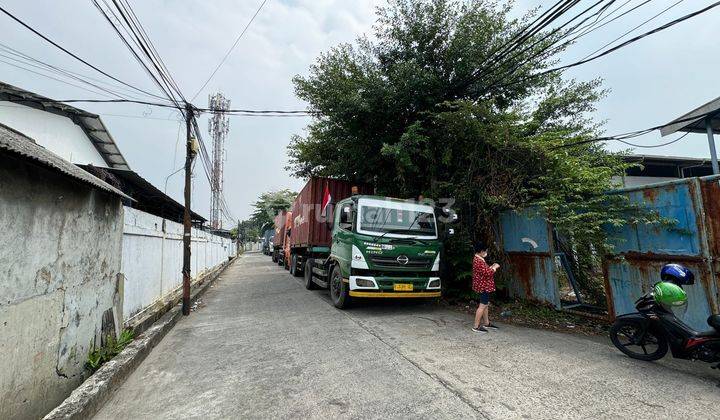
pixel 268 205
pixel 426 106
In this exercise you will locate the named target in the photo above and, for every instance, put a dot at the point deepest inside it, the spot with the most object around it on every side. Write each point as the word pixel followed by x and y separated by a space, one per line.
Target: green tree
pixel 426 106
pixel 268 205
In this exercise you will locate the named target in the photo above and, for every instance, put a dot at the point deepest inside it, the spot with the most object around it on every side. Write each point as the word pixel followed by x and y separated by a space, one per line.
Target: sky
pixel 650 82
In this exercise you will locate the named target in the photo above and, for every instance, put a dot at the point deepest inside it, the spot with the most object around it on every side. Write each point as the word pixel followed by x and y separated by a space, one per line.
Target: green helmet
pixel 669 294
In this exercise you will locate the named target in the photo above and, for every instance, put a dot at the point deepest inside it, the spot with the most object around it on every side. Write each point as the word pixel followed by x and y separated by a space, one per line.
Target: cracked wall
pixel 60 253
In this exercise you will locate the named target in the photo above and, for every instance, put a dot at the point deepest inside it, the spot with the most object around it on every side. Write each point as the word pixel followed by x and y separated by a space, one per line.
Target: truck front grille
pixel 392 262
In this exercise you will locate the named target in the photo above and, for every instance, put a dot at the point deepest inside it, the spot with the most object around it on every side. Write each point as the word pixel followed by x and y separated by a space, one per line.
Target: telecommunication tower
pixel 218 126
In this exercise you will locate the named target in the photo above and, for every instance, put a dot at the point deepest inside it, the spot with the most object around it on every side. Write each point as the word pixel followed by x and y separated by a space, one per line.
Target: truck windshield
pixel 396 219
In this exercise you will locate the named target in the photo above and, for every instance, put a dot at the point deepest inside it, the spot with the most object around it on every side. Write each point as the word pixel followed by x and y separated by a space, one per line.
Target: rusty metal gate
pixel 693 240
pixel 527 240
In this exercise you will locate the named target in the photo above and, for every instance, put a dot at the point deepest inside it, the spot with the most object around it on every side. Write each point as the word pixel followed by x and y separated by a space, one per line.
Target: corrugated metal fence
pixel 639 250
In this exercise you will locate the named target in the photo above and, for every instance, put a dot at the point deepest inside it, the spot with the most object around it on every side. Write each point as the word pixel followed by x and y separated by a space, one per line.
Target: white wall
pixel 60 253
pixel 152 258
pixel 56 133
pixel 637 181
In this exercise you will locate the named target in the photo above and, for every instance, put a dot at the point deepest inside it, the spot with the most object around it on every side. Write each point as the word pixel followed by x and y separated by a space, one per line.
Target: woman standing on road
pixel 483 282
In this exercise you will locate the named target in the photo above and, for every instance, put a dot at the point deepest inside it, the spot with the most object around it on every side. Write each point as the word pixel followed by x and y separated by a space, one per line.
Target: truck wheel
pixel 339 292
pixel 296 269
pixel 309 283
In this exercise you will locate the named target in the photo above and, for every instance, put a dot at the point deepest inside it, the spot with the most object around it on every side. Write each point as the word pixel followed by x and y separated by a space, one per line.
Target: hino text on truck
pixel 359 245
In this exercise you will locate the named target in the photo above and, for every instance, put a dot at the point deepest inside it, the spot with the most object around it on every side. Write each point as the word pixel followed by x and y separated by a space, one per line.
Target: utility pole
pixel 237 239
pixel 187 224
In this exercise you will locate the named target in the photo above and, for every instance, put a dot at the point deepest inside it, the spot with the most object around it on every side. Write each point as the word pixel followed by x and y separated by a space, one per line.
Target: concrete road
pixel 261 346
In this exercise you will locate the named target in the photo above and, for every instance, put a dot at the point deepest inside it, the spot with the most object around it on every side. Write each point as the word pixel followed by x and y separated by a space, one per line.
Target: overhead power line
pixel 645 22
pixel 638 133
pixel 148 41
pixel 251 111
pixel 245 113
pixel 143 52
pixel 108 87
pixel 18 66
pixel 517 40
pixel 227 54
pixel 518 53
pixel 73 55
pixel 617 47
pixel 652 146
pixel 588 29
pixel 598 26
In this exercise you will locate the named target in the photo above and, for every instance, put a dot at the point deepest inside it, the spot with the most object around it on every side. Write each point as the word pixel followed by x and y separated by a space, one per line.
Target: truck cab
pixel 381 248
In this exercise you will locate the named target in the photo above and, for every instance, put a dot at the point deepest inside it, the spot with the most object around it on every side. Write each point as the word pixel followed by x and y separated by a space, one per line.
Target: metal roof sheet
pixel 90 123
pixel 15 142
pixel 694 121
pixel 148 198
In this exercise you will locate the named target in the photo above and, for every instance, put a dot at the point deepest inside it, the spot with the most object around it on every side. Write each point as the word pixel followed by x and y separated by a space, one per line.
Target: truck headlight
pixel 434 283
pixel 364 282
pixel 357 260
pixel 436 264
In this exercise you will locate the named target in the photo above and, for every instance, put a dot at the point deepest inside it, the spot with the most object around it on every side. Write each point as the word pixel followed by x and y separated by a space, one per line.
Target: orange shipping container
pixel 286 237
pixel 279 229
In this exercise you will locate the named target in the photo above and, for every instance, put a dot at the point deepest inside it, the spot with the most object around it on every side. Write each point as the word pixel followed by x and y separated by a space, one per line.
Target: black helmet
pixel 676 273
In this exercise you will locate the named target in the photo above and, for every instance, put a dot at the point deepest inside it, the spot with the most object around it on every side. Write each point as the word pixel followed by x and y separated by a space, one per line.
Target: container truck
pixel 267 241
pixel 285 260
pixel 360 245
pixel 277 241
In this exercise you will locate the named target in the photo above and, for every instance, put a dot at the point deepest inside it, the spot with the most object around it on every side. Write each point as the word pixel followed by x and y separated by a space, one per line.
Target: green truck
pixel 366 247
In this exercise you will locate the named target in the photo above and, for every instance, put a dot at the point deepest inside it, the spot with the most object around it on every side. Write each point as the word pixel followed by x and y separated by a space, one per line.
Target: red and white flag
pixel 327 199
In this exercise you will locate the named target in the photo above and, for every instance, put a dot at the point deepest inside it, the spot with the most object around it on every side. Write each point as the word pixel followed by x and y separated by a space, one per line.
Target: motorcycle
pixel 648 333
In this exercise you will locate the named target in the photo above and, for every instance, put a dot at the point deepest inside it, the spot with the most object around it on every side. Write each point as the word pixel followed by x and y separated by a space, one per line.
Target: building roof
pixel 668 166
pixel 694 121
pixel 147 197
pixel 668 159
pixel 19 144
pixel 91 124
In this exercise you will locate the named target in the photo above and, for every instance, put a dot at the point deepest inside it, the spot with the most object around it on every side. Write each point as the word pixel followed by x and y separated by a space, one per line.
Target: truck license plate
pixel 402 287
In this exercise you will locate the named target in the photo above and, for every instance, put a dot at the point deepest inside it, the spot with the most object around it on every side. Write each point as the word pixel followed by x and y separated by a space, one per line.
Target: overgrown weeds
pixel 112 347
pixel 536 315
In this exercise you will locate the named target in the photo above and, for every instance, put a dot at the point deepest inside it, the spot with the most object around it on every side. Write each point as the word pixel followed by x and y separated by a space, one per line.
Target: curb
pixel 91 395
pixel 153 313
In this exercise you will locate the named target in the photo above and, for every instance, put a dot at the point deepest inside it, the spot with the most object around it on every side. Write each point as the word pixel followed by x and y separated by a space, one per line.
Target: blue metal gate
pixel 527 240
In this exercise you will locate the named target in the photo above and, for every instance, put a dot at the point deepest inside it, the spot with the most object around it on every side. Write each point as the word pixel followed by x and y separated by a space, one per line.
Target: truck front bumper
pixel 394 287
pixel 378 294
